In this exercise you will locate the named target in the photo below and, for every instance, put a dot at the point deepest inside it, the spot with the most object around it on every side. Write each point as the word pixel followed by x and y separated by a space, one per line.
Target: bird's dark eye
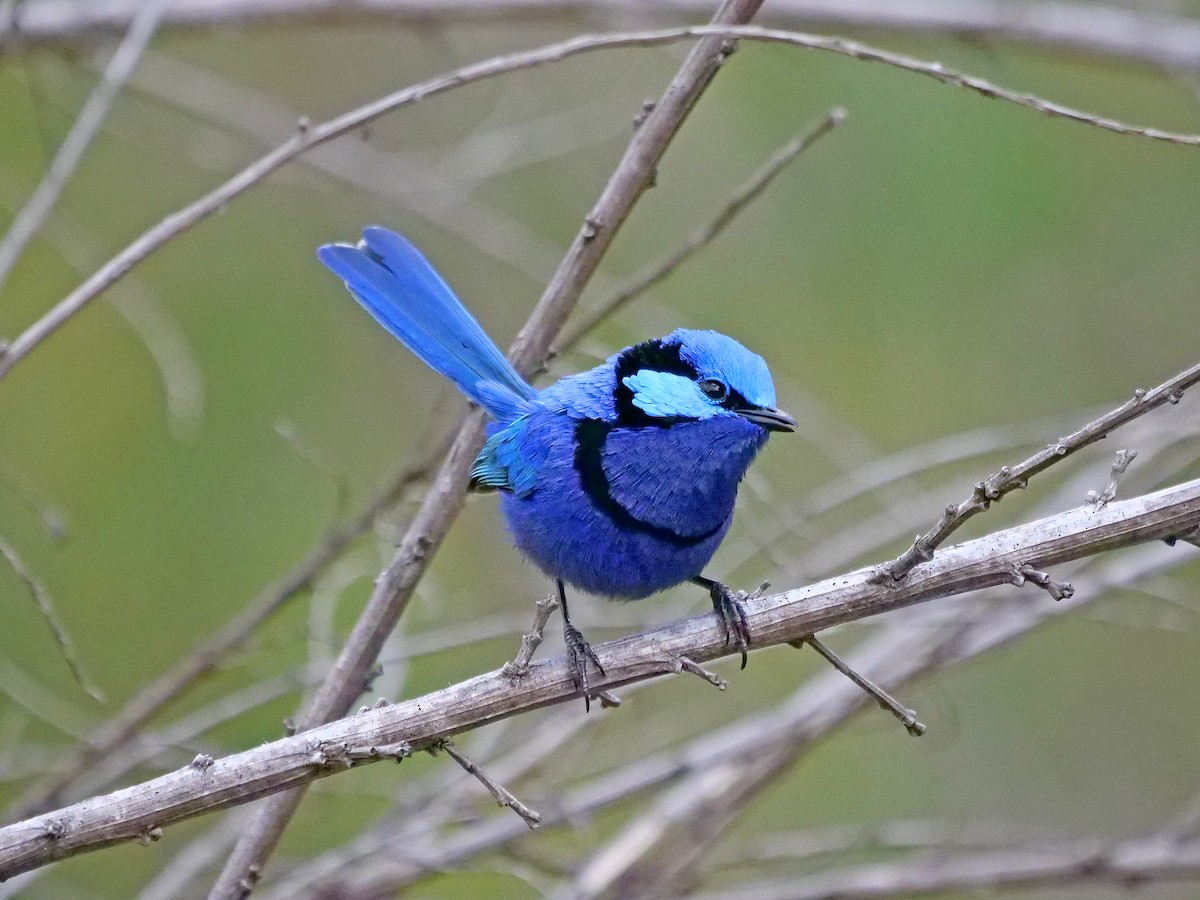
pixel 713 389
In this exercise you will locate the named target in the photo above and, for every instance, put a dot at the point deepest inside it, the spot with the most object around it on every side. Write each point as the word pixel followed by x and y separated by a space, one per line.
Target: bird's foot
pixel 579 654
pixel 727 603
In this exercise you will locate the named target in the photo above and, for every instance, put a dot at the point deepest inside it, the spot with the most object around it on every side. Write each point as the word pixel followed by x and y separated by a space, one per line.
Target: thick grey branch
pixel 138 812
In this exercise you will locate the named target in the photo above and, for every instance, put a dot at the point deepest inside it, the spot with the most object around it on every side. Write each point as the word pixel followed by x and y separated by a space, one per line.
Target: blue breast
pixel 627 512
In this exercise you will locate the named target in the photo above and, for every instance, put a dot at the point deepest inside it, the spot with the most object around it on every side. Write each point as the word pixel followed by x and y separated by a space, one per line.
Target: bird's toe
pixel 579 654
pixel 727 604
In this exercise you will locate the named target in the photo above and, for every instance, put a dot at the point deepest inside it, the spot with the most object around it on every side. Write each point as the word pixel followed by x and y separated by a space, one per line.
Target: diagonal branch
pixel 46 607
pixel 734 754
pixel 142 25
pixel 141 811
pixel 742 195
pixel 1011 478
pixel 309 136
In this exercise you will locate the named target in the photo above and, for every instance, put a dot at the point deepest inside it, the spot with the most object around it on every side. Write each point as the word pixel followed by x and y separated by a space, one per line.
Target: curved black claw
pixel 728 605
pixel 579 654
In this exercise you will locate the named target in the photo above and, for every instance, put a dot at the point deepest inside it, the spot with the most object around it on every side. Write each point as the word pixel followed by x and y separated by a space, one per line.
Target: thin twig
pixel 1120 464
pixel 632 176
pixel 1011 478
pixel 738 200
pixel 29 219
pixel 503 795
pixel 46 606
pixel 907 717
pixel 427 194
pixel 309 136
pixel 419 722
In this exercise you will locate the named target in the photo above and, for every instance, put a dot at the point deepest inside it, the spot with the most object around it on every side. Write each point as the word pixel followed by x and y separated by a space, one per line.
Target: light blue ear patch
pixel 665 395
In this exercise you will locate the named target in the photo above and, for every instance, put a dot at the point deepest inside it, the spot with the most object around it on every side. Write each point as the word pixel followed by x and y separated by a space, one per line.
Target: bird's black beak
pixel 769 418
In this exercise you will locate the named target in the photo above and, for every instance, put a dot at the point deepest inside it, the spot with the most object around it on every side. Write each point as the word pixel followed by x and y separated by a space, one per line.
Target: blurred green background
pixel 939 263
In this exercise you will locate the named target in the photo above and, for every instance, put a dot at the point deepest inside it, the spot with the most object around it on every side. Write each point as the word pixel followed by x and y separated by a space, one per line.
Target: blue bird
pixel 620 480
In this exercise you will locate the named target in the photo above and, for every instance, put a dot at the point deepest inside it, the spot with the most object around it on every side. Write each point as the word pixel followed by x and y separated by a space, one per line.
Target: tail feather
pixel 396 285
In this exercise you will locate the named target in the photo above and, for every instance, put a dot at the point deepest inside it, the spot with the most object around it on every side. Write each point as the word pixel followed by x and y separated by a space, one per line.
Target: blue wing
pixel 398 286
pixel 511 458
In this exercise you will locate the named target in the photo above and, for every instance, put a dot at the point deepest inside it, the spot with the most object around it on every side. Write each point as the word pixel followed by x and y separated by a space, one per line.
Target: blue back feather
pixel 396 285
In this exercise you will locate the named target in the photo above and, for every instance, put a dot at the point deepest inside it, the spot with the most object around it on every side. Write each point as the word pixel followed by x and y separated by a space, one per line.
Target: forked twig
pixel 1119 466
pixel 532 639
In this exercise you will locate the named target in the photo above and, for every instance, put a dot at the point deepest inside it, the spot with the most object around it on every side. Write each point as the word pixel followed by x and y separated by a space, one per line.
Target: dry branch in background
pixel 25 225
pixel 309 136
pixel 46 607
pixel 1125 864
pixel 1156 37
pixel 139 813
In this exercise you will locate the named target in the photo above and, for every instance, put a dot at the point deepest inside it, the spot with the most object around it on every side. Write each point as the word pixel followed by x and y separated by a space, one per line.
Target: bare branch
pixel 532 639
pixel 142 25
pixel 208 655
pixel 907 717
pixel 743 757
pixel 420 722
pixel 1058 590
pixel 741 197
pixel 1156 37
pixel 683 664
pixel 1125 864
pixel 1012 478
pixel 502 795
pixel 46 606
pixel 309 136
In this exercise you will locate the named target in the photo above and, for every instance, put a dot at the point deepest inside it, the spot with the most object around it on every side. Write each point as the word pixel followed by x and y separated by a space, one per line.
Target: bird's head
pixel 690 375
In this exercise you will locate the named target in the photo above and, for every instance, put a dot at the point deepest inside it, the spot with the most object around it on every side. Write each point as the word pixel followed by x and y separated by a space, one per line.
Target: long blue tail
pixel 398 286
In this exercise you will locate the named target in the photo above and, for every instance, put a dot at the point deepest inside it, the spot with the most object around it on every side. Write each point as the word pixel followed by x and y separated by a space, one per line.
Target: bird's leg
pixel 727 603
pixel 579 651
